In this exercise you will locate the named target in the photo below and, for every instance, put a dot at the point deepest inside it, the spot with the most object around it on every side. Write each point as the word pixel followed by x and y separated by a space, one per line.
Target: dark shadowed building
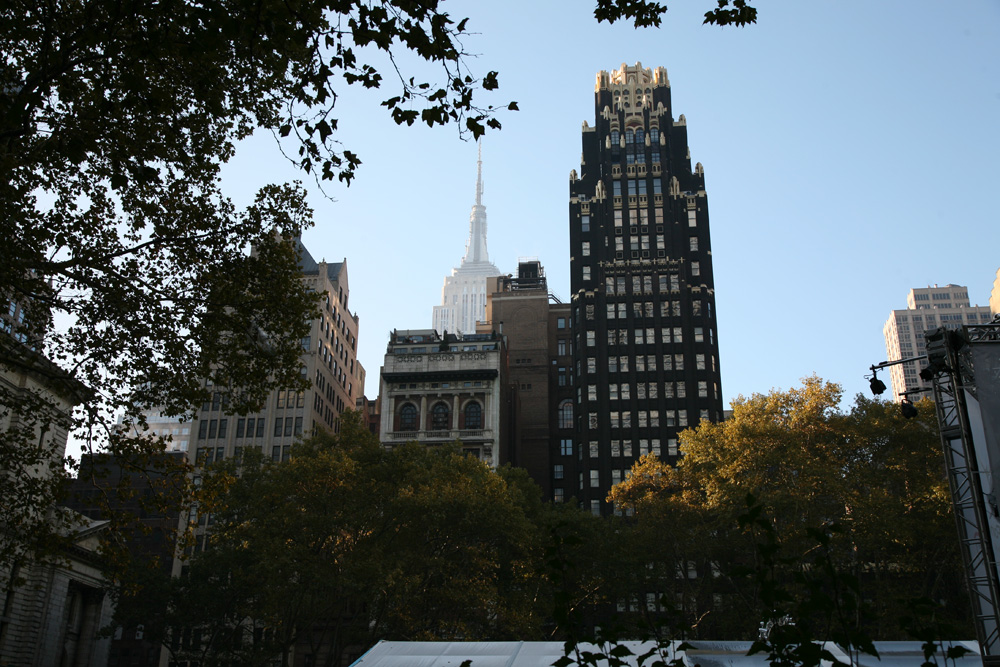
pixel 646 353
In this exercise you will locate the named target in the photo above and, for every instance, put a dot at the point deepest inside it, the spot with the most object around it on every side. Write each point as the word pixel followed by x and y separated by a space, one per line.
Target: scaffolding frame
pixel 953 376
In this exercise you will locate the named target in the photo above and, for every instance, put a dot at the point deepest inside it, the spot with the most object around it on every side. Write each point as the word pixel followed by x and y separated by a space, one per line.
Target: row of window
pixel 440 417
pixel 290 399
pixel 644 418
pixel 656 390
pixel 636 187
pixel 248 427
pixel 646 336
pixel 642 284
pixel 207 455
pixel 638 135
pixel 647 309
pixel 643 390
pixel 648 362
pixel 616 449
pixel 439 385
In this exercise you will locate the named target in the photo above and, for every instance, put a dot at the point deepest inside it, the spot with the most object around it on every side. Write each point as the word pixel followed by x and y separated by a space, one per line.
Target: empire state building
pixel 463 296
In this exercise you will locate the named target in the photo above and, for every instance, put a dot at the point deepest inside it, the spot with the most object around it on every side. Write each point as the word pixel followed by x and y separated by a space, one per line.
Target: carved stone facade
pixel 52 603
pixel 437 390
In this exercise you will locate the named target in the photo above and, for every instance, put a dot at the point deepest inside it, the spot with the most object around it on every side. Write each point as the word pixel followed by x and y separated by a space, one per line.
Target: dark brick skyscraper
pixel 646 350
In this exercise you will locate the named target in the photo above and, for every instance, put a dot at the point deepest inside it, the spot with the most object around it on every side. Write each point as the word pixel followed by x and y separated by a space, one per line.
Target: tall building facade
pixel 329 360
pixel 521 310
pixel 463 297
pixel 926 308
pixel 646 354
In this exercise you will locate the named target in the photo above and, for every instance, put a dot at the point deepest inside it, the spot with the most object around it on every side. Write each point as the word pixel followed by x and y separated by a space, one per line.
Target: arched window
pixel 408 417
pixel 640 136
pixel 439 417
pixel 654 134
pixel 615 138
pixel 629 137
pixel 473 415
pixel 566 414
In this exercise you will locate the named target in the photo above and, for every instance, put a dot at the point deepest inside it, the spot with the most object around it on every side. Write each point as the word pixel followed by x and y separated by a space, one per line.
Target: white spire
pixel 475 249
pixel 479 175
pixel 463 297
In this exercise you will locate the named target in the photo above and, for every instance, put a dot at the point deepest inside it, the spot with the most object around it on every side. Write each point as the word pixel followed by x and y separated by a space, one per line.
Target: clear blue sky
pixel 851 152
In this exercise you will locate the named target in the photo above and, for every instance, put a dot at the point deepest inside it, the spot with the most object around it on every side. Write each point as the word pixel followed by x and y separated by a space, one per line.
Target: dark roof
pixel 309 265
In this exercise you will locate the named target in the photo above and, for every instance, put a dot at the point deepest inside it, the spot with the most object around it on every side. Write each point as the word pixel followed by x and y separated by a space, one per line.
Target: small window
pixel 473 416
pixel 408 417
pixel 565 416
pixel 440 417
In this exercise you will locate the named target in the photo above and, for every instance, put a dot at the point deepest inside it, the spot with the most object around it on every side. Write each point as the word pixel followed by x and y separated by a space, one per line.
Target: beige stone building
pixel 926 308
pixel 329 360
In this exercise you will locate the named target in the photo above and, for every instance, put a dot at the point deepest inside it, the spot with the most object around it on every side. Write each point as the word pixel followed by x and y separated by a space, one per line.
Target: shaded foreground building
pixel 143 502
pixel 53 602
pixel 646 353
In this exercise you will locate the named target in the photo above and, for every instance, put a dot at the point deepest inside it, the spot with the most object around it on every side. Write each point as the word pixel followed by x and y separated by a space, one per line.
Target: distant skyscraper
pixel 926 308
pixel 643 293
pixel 463 297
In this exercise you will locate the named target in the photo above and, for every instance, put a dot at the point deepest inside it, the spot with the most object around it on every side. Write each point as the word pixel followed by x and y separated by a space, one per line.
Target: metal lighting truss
pixel 954 375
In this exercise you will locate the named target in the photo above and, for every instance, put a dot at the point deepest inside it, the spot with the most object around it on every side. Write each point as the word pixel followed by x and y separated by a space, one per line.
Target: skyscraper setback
pixel 643 296
pixel 463 296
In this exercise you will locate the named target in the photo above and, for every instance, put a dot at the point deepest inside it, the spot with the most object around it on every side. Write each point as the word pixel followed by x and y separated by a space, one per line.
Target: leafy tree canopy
pixel 346 544
pixel 128 264
pixel 876 475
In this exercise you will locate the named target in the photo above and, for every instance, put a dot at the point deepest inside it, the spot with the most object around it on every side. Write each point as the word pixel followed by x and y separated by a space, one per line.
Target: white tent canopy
pixel 543 654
